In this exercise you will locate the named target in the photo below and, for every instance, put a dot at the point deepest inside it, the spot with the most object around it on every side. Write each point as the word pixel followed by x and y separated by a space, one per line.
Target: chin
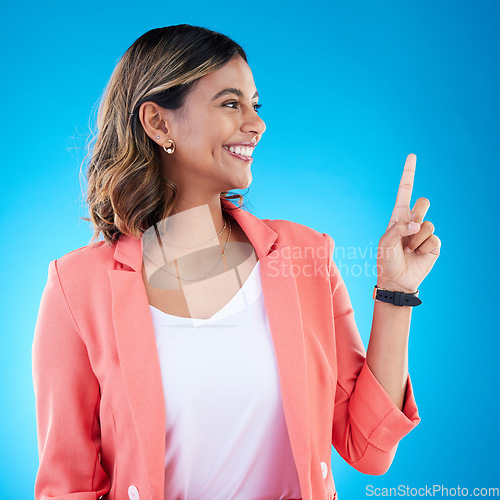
pixel 243 184
pixel 237 181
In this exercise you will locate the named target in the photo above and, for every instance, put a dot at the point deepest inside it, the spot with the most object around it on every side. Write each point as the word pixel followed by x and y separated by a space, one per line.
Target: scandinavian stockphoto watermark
pixel 351 261
pixel 188 253
pixel 297 260
pixel 432 490
pixel 357 261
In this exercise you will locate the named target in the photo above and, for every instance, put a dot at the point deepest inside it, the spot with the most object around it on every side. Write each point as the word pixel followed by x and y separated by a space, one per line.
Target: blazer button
pixel 324 469
pixel 133 493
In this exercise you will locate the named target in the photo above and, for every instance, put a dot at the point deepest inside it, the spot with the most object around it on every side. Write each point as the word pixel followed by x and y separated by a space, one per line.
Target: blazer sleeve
pixel 67 403
pixel 367 425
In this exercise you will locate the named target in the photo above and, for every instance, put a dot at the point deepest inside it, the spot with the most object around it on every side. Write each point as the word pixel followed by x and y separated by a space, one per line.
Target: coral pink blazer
pixel 99 399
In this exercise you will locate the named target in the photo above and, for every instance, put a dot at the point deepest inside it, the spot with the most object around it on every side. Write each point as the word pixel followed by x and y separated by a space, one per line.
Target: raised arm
pixel 367 425
pixel 374 403
pixel 406 253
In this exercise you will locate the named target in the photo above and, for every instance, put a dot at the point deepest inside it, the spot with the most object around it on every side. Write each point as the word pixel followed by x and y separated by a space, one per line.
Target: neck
pixel 190 224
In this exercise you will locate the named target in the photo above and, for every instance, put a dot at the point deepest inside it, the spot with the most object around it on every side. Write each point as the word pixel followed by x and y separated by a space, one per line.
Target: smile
pixel 241 152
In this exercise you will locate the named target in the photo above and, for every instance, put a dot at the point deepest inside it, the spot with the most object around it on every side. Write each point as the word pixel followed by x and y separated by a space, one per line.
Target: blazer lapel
pixel 138 354
pixel 136 346
pixel 283 313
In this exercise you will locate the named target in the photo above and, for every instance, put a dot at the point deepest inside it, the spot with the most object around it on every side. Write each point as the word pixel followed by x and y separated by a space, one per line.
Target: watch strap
pixel 396 298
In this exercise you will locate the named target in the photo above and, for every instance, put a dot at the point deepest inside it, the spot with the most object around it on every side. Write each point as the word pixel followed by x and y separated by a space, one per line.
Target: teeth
pixel 240 150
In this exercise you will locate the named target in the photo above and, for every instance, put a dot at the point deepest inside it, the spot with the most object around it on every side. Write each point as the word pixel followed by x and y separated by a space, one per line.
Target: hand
pixel 399 270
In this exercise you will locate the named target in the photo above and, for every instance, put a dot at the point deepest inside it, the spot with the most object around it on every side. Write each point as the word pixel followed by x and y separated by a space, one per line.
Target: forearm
pixel 387 353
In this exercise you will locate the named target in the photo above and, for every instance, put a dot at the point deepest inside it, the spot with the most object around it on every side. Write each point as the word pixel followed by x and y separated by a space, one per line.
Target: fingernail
pixel 413 226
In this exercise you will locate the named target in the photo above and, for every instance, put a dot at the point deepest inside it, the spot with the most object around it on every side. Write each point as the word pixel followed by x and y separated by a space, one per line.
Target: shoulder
pixel 289 233
pixel 296 232
pixel 79 279
pixel 85 261
pixel 95 252
pixel 299 236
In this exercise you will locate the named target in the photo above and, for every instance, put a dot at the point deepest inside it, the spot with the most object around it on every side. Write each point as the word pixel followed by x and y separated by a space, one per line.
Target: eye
pixel 235 105
pixel 231 104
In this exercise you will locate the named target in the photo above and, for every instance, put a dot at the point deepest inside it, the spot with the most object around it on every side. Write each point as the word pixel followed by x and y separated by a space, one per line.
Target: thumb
pixel 400 228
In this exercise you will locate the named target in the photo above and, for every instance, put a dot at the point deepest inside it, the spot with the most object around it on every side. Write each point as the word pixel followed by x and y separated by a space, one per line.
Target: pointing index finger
pixel 406 185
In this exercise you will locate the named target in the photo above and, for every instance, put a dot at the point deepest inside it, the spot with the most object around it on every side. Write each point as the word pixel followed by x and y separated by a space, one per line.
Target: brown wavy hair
pixel 126 188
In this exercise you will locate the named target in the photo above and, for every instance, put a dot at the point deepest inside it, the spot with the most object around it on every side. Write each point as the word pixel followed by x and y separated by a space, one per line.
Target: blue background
pixel 348 89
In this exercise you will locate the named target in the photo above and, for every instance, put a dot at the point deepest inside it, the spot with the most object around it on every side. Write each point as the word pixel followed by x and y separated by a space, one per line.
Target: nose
pixel 253 123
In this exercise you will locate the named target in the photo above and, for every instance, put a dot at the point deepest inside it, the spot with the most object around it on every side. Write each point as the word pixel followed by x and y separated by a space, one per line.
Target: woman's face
pixel 215 132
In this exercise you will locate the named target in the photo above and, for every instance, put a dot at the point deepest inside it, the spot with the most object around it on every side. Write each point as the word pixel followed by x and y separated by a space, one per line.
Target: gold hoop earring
pixel 171 147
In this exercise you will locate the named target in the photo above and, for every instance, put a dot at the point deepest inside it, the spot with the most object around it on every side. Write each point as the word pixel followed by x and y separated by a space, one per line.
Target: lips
pixel 241 150
pixel 248 159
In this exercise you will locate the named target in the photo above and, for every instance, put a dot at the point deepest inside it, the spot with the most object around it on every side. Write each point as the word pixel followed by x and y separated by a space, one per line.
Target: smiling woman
pixel 131 184
pixel 214 135
pixel 199 351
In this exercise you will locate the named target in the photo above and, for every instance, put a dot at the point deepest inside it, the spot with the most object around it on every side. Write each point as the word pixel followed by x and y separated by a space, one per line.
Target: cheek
pixel 206 135
pixel 202 146
pixel 213 139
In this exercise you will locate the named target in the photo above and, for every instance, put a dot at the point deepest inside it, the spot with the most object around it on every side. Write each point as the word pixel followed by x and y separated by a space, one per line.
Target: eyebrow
pixel 232 90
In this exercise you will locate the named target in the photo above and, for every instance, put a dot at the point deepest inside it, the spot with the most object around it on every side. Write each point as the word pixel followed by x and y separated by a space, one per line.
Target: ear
pixel 155 120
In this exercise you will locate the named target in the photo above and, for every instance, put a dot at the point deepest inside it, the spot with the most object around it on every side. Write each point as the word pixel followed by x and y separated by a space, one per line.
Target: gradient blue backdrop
pixel 348 89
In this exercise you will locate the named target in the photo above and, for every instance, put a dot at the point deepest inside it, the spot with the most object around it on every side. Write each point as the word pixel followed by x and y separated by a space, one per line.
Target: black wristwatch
pixel 396 298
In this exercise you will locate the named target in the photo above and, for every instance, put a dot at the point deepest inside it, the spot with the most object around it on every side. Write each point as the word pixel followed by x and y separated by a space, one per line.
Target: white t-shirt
pixel 226 436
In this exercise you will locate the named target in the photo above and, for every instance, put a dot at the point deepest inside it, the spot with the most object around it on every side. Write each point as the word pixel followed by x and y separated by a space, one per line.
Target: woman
pixel 200 352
